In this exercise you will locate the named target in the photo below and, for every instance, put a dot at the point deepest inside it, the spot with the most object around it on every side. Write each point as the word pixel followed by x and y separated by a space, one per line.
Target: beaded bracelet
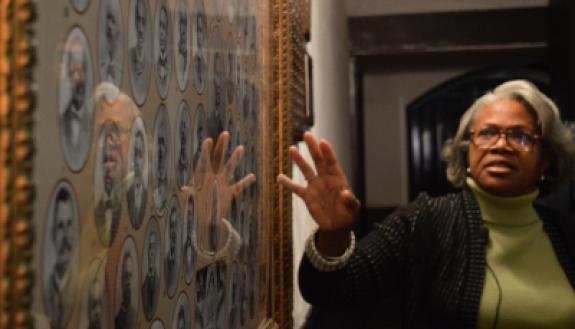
pixel 327 264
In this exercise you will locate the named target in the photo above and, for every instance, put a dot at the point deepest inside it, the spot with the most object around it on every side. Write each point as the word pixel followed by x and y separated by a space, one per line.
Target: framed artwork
pixel 120 208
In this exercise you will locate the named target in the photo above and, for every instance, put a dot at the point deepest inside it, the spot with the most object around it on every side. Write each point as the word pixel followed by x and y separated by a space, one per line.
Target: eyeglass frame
pixel 536 137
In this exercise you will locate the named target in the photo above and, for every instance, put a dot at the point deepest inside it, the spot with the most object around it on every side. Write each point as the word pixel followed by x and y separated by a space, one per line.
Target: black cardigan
pixel 431 252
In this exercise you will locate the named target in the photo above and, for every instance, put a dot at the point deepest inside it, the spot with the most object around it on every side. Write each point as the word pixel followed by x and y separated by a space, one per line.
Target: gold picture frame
pixel 38 45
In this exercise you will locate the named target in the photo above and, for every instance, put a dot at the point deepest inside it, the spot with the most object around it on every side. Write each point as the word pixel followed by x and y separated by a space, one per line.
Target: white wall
pixel 330 50
pixel 389 7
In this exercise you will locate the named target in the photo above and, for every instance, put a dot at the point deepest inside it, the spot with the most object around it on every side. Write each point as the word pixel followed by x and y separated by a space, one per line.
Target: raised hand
pixel 327 195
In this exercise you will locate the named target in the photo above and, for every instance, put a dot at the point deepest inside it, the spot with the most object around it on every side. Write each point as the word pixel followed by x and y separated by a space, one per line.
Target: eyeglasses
pixel 518 139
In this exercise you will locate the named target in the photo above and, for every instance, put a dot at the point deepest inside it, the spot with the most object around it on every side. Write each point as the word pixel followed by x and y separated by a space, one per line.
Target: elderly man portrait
pixel 110 69
pixel 109 208
pixel 161 160
pixel 183 153
pixel 75 119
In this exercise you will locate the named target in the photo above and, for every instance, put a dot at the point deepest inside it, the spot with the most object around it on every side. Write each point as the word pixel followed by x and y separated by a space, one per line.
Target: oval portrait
pixel 137 194
pixel 200 45
pixel 161 159
pixel 200 133
pixel 80 5
pixel 95 304
pixel 163 47
pixel 181 318
pixel 60 255
pixel 127 295
pixel 184 142
pixel 189 240
pixel 76 109
pixel 151 268
pixel 108 182
pixel 217 89
pixel 172 241
pixel 110 44
pixel 139 49
pixel 182 43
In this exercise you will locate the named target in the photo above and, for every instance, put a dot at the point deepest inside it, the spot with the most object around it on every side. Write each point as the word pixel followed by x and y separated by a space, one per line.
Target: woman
pixel 480 258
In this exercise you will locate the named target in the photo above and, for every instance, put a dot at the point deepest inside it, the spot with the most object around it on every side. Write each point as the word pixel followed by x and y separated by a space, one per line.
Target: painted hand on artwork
pixel 327 195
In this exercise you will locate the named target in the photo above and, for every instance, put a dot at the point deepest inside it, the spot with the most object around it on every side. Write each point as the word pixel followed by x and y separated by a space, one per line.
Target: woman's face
pixel 501 169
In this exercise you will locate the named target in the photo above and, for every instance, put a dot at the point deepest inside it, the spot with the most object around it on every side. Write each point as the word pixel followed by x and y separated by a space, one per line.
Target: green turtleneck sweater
pixel 525 286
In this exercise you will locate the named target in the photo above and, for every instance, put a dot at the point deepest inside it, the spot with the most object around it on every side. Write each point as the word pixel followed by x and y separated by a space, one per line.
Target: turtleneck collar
pixel 506 211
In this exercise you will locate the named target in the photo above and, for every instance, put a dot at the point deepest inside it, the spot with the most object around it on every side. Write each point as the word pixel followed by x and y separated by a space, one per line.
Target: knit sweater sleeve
pixel 374 270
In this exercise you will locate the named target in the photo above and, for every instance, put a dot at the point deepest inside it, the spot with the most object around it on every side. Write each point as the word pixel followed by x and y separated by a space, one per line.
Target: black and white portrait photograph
pixel 172 243
pixel 127 287
pixel 108 182
pixel 163 47
pixel 139 48
pixel 200 133
pixel 199 45
pixel 75 106
pixel 184 142
pixel 60 255
pixel 110 44
pixel 161 160
pixel 211 237
pixel 157 324
pixel 230 68
pixel 95 305
pixel 182 33
pixel 137 173
pixel 189 244
pixel 181 318
pixel 80 5
pixel 233 299
pixel 210 297
pixel 217 88
pixel 238 75
pixel 151 269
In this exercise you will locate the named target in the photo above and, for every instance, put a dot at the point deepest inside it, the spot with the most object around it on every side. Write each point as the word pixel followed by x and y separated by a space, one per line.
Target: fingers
pixel 232 163
pixel 315 152
pixel 303 165
pixel 219 150
pixel 284 181
pixel 244 183
pixel 332 165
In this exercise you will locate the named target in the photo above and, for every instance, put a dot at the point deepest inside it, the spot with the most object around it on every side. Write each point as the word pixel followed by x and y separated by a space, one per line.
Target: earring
pixel 542 178
pixel 468 170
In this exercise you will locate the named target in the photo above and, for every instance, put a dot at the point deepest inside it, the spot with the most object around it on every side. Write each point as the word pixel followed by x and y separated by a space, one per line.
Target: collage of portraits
pixel 140 225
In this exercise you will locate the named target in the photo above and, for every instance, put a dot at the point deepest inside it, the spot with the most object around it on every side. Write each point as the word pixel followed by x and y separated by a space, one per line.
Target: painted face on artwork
pixel 63 215
pixel 505 168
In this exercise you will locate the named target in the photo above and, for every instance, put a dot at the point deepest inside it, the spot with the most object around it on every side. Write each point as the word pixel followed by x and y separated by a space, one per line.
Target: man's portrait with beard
pixel 183 140
pixel 200 133
pixel 110 43
pixel 199 46
pixel 182 41
pixel 210 311
pixel 181 317
pixel 127 283
pixel 76 84
pixel 162 49
pixel 139 41
pixel 108 182
pixel 190 239
pixel 172 241
pixel 137 174
pixel 60 257
pixel 161 160
pixel 151 269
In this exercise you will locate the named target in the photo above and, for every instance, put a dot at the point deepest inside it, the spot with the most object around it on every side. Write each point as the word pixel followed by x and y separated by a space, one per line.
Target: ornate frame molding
pixel 16 149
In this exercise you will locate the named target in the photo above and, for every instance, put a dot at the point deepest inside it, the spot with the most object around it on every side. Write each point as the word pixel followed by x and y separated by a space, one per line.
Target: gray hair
pixel 558 143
